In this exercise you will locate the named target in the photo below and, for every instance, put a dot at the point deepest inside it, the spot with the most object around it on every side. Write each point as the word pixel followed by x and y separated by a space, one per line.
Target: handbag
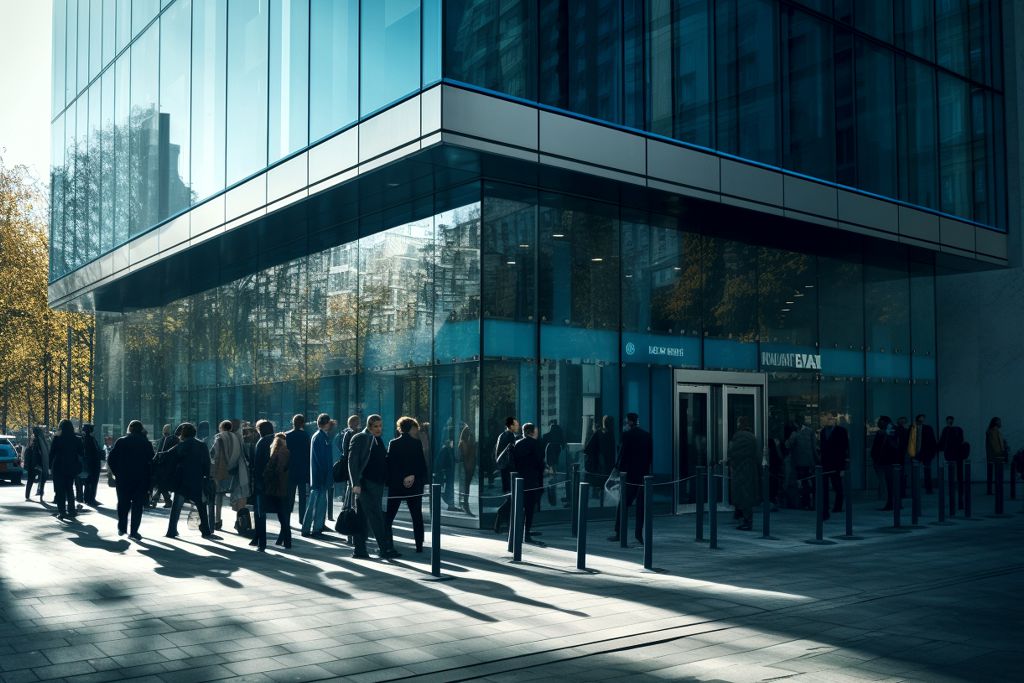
pixel 340 470
pixel 612 488
pixel 243 523
pixel 193 518
pixel 350 521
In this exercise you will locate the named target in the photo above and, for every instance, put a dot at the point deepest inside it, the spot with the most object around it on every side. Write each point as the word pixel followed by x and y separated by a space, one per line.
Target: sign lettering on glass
pixel 796 361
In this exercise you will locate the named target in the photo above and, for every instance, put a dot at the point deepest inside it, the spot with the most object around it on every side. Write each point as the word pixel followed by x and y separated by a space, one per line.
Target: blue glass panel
pixel 143 12
pixel 661 349
pixel 58 46
pixel 840 363
pixel 917 117
pixel 333 66
pixel 107 183
pixel 93 170
pixel 95 37
pixel 209 69
pixel 71 63
pixel 492 44
pixel 876 119
pixel 57 199
pixel 109 30
pixel 83 45
pixel 729 354
pixel 431 41
pixel 175 70
pixel 508 339
pixel 247 88
pixel 122 135
pixel 809 115
pixel 888 365
pixel 951 24
pixel 954 145
pixel 390 52
pixel 123 27
pixel 289 77
pixel 144 145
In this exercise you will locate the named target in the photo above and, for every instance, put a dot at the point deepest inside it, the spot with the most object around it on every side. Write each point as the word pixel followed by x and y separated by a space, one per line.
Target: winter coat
pixel 275 474
pixel 745 462
pixel 600 453
pixel 66 453
pixel 636 455
pixel 834 448
pixel 192 464
pixel 130 460
pixel 528 462
pixel 298 456
pixel 405 457
pixel 802 451
pixel 230 468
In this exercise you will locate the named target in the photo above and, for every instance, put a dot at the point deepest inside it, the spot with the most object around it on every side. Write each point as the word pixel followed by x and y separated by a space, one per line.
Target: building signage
pixel 795 361
pixel 653 350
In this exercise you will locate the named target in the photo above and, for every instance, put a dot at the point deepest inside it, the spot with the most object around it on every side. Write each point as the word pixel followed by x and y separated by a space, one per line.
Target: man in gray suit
pixel 367 472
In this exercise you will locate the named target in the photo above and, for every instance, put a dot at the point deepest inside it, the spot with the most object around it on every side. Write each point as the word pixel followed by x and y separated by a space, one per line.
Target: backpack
pixel 244 522
pixel 340 471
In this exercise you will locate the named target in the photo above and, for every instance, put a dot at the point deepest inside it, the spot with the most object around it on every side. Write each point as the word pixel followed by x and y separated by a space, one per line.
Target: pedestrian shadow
pixel 88 536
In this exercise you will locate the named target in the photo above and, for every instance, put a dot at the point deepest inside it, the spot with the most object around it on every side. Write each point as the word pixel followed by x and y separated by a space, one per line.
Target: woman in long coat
pixel 66 454
pixel 275 487
pixel 37 462
pixel 745 462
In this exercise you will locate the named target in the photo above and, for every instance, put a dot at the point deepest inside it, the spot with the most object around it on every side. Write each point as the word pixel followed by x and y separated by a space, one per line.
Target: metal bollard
pixel 819 504
pixel 942 492
pixel 701 487
pixel 648 522
pixel 915 492
pixel 988 478
pixel 581 537
pixel 967 489
pixel 575 500
pixel 952 484
pixel 517 548
pixel 897 499
pixel 1000 471
pixel 435 530
pixel 512 511
pixel 848 502
pixel 623 512
pixel 1013 484
pixel 713 509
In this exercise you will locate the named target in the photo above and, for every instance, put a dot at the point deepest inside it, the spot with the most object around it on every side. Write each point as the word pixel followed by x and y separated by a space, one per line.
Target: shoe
pixel 261 549
pixel 27 499
pixel 640 540
pixel 135 536
pixel 306 535
pixel 391 554
pixel 419 549
pixel 287 545
pixel 278 542
pixel 167 505
pixel 254 542
pixel 121 532
pixel 360 556
pixel 60 517
pixel 219 525
pixel 212 537
pixel 614 539
pixel 171 534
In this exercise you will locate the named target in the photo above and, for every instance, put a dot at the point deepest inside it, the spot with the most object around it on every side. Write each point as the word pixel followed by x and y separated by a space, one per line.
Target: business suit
pixel 951 443
pixel 130 460
pixel 367 469
pixel 507 439
pixel 528 463
pixel 405 458
pixel 298 469
pixel 636 455
pixel 834 446
pixel 320 462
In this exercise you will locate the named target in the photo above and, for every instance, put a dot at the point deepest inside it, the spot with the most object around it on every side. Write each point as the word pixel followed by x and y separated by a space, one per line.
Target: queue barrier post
pixel 713 508
pixel 819 507
pixel 648 522
pixel 517 548
pixel 915 492
pixel 897 498
pixel 581 537
pixel 766 503
pixel 951 483
pixel 435 530
pixel 574 499
pixel 701 488
pixel 968 495
pixel 512 511
pixel 942 495
pixel 1000 472
pixel 623 512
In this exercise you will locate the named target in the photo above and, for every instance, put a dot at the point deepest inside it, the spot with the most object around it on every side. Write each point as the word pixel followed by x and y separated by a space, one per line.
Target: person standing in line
pixel 636 456
pixel 367 475
pixel 191 461
pixel 529 463
pixel 37 463
pixel 951 444
pixel 320 462
pixel 467 451
pixel 903 442
pixel 94 461
pixel 130 460
pixel 228 469
pixel 922 446
pixel 885 454
pixel 66 455
pixel 599 456
pixel 745 461
pixel 407 473
pixel 160 475
pixel 275 487
pixel 344 439
pixel 260 460
pixel 298 465
pixel 834 446
pixel 996 449
pixel 803 455
pixel 503 455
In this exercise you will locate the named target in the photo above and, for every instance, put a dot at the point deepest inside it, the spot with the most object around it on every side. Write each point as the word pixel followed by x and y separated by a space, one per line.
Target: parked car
pixel 10 462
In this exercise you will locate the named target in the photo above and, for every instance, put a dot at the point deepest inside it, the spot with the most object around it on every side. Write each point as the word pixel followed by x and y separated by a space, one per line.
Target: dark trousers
pixel 303 491
pixel 284 536
pixel 330 502
pixel 506 504
pixel 631 493
pixel 373 518
pixel 884 474
pixel 34 476
pixel 64 490
pixel 260 522
pixel 415 504
pixel 531 500
pixel 79 489
pixel 156 492
pixel 989 476
pixel 130 499
pixel 835 482
pixel 91 484
pixel 956 484
pixel 803 475
pixel 926 466
pixel 176 505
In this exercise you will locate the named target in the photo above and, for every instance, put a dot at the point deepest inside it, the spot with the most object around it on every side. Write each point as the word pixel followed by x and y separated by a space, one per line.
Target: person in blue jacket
pixel 321 459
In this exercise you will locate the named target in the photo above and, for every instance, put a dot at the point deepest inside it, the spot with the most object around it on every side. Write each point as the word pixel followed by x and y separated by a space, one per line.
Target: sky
pixel 25 37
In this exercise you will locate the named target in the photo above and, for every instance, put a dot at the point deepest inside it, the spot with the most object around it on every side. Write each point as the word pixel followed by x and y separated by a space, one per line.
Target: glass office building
pixel 556 209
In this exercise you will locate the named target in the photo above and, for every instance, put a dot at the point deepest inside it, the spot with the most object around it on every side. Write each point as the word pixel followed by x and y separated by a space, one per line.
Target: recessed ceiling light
pixel 524 246
pixel 392 184
pixel 789 303
pixel 785 310
pixel 597 259
pixel 511 263
pixel 558 235
pixel 808 286
pixel 677 267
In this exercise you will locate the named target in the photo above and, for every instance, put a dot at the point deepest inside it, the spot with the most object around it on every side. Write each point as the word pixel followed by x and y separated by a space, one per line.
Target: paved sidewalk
pixel 934 604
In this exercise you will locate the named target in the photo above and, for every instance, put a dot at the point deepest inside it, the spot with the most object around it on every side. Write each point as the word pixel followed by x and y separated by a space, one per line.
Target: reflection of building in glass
pixel 601 203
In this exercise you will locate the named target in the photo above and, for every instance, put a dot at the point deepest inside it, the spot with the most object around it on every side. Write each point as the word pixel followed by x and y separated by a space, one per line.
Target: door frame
pixel 716 381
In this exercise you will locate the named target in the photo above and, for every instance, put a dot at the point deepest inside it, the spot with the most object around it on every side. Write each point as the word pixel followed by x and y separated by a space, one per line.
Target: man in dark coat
pixel 922 446
pixel 261 457
pixel 834 446
pixel 407 474
pixel 506 441
pixel 528 463
pixel 168 441
pixel 192 462
pixel 367 476
pixel 745 462
pixel 65 464
pixel 951 443
pixel 298 441
pixel 94 461
pixel 636 456
pixel 130 460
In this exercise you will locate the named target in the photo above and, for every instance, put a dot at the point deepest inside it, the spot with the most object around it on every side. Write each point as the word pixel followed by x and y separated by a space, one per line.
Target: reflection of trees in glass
pixel 137 164
pixel 457 264
pixel 789 309
pixel 730 289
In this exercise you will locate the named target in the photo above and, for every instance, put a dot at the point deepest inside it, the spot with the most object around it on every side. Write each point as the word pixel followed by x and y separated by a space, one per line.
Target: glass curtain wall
pixel 162 105
pixel 844 92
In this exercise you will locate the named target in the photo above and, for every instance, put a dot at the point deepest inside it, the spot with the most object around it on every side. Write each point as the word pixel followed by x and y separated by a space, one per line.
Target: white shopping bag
pixel 611 488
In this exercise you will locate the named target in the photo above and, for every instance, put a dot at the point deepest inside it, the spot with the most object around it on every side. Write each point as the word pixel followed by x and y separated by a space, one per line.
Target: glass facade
pixel 493 299
pixel 161 105
pixel 901 98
